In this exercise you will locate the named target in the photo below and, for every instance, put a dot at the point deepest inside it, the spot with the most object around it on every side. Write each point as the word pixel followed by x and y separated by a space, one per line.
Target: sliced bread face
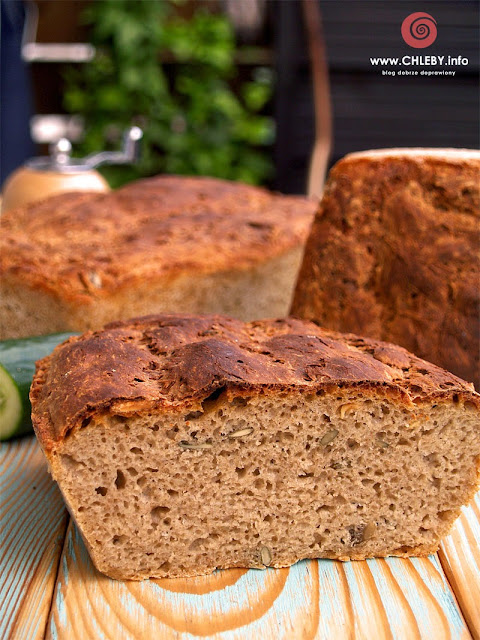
pixel 184 444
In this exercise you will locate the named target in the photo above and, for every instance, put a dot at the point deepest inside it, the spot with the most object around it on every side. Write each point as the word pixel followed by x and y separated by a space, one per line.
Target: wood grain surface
pixel 460 557
pixel 50 589
pixel 392 598
pixel 32 528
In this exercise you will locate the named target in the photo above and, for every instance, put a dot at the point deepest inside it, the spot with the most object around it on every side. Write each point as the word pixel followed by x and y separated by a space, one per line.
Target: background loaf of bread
pixel 76 261
pixel 394 254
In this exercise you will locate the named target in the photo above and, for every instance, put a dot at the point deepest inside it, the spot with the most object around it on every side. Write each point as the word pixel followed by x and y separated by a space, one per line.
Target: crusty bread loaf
pixel 394 254
pixel 77 261
pixel 182 444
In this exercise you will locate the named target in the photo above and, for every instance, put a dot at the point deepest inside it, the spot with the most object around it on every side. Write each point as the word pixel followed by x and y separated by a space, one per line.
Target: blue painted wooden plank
pixel 393 598
pixel 32 528
pixel 460 558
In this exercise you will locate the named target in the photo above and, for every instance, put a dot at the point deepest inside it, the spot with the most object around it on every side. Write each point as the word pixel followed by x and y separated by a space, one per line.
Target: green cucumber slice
pixel 17 359
pixel 11 406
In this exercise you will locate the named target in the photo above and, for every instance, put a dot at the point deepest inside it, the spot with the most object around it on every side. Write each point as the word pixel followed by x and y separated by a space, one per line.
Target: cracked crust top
pixel 81 245
pixel 173 362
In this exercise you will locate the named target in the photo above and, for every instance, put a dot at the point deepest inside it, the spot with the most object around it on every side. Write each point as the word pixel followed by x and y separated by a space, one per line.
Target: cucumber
pixel 17 366
pixel 11 406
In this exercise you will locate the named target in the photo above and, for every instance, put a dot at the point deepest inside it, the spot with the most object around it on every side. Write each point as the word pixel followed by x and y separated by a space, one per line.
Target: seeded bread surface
pixel 394 254
pixel 79 260
pixel 187 443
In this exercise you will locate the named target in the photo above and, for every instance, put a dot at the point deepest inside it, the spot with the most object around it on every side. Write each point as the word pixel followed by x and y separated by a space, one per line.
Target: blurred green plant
pixel 193 121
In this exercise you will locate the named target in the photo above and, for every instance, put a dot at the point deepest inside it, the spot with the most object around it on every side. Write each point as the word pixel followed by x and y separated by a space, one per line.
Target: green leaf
pixel 256 95
pixel 194 121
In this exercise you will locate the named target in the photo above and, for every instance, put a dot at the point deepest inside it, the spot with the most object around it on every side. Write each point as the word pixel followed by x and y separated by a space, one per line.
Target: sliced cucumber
pixel 17 362
pixel 11 406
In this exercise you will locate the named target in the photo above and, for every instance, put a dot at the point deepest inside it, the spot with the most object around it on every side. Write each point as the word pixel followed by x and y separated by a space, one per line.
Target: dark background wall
pixel 371 110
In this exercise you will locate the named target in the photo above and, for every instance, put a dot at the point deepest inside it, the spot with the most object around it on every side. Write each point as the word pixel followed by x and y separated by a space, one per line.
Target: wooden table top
pixel 50 589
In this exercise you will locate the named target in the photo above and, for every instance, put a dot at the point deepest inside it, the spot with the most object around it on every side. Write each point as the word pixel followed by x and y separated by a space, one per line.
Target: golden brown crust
pixel 85 246
pixel 393 254
pixel 173 362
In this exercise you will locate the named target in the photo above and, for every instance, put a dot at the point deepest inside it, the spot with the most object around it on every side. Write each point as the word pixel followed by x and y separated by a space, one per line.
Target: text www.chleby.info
pixel 420 61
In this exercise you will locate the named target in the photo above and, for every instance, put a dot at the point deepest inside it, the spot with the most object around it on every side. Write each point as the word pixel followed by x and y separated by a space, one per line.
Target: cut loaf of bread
pixel 183 444
pixel 394 254
pixel 78 260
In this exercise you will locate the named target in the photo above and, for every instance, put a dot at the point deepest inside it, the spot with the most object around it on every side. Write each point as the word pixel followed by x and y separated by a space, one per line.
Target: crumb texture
pixel 263 481
pixel 393 254
pixel 183 444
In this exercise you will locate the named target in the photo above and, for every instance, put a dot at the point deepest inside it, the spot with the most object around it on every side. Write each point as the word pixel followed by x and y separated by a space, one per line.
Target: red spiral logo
pixel 419 30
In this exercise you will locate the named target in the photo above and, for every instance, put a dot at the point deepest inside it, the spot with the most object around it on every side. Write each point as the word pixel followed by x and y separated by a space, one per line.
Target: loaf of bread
pixel 188 443
pixel 394 254
pixel 76 261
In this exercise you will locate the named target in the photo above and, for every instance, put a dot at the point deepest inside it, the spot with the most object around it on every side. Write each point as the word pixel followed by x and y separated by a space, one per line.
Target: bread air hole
pixel 157 513
pixel 120 480
pixel 136 451
pixel 446 515
pixel 197 544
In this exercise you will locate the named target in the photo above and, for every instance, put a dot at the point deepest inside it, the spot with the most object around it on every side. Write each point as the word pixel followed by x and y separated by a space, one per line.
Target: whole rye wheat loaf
pixel 184 444
pixel 394 254
pixel 76 261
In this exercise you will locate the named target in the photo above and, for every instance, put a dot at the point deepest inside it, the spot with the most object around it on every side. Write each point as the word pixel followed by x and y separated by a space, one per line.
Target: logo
pixel 419 30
